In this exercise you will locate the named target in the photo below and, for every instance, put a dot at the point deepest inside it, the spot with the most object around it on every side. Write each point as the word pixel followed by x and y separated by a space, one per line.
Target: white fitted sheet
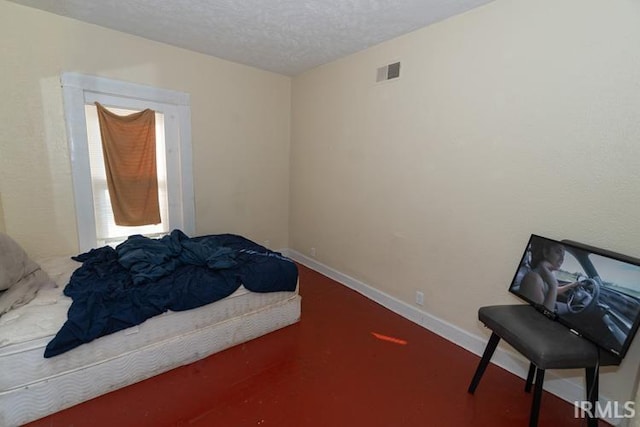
pixel 46 313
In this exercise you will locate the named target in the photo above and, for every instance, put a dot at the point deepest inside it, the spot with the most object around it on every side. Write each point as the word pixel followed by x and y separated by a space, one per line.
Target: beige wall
pixel 2 227
pixel 240 128
pixel 517 117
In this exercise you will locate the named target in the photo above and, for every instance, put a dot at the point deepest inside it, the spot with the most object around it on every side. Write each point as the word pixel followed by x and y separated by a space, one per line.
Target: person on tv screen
pixel 540 284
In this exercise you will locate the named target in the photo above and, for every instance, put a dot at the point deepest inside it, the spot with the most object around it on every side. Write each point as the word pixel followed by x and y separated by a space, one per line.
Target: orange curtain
pixel 129 148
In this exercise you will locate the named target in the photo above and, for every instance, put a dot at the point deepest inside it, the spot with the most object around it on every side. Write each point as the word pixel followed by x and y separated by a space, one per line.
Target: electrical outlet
pixel 419 298
pixel 313 252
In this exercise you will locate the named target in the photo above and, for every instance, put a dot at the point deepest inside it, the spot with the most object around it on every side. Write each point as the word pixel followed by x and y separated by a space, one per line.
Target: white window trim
pixel 80 89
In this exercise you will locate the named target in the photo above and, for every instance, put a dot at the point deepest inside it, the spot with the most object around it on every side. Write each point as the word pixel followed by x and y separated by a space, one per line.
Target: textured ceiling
pixel 283 36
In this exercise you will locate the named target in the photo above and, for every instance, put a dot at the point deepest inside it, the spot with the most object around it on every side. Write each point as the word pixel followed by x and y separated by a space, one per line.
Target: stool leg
pixel 530 377
pixel 537 397
pixel 592 395
pixel 484 362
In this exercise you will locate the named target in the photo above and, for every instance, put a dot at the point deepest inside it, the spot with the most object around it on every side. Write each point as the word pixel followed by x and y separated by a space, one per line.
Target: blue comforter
pixel 118 288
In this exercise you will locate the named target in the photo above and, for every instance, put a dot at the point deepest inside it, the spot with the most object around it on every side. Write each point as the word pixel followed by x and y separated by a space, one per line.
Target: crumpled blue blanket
pixel 150 259
pixel 118 288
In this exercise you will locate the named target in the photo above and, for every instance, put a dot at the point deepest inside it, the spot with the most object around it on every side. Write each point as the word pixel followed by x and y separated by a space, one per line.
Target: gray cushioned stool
pixel 546 344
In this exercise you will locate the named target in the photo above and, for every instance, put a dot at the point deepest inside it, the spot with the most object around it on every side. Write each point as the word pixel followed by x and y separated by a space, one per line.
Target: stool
pixel 547 344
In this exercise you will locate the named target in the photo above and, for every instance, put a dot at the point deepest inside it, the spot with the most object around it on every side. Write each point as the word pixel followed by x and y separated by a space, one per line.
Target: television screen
pixel 594 292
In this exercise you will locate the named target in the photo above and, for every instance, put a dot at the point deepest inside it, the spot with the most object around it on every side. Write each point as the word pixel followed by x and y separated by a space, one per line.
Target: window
pixel 96 226
pixel 107 232
pixel 571 269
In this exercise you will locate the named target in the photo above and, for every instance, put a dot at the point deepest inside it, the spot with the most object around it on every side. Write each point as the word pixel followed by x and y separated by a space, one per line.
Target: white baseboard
pixel 566 389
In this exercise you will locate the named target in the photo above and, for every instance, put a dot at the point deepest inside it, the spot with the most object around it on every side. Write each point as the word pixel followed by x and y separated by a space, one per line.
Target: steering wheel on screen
pixel 583 296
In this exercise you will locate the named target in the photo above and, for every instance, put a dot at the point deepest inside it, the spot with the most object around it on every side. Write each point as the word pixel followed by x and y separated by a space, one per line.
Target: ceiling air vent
pixel 388 72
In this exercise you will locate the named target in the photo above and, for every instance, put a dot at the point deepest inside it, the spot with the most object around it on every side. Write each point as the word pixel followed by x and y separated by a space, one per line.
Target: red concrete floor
pixel 327 370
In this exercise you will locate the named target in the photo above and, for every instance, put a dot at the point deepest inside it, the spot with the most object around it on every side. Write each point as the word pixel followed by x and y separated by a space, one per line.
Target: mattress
pixel 44 315
pixel 157 345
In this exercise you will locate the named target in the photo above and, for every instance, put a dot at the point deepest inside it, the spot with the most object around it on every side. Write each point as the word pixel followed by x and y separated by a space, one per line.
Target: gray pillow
pixel 14 262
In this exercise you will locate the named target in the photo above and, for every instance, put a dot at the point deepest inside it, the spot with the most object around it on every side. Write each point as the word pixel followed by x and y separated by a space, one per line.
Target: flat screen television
pixel 593 292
